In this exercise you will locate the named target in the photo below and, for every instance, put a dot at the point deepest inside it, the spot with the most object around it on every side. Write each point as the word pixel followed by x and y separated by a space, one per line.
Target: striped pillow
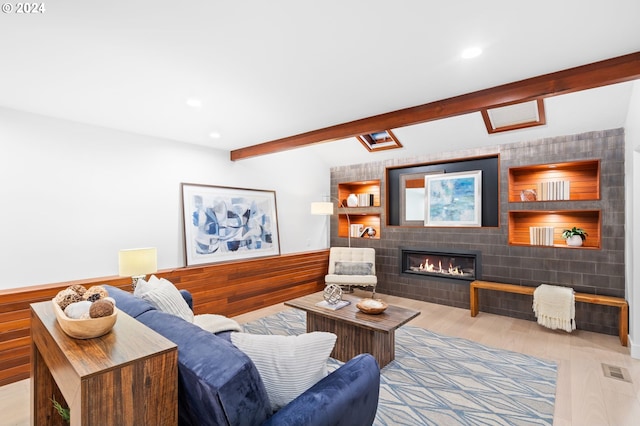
pixel 288 365
pixel 164 296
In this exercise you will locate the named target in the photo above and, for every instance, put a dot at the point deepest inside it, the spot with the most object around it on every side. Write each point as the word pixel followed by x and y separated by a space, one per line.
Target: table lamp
pixel 137 263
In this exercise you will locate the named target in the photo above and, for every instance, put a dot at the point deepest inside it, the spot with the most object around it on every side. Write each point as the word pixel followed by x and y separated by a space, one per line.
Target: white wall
pixel 632 227
pixel 72 195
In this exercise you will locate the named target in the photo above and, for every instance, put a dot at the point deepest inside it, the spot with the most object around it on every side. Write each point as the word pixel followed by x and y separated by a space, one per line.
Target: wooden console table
pixel 129 376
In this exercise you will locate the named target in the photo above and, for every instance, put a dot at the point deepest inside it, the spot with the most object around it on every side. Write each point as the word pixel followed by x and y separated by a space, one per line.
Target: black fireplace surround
pixel 459 265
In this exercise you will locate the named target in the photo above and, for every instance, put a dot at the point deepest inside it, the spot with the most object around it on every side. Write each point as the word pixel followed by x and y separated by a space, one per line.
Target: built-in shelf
pixel 366 220
pixel 563 184
pixel 583 179
pixel 362 187
pixel 521 220
pixel 367 214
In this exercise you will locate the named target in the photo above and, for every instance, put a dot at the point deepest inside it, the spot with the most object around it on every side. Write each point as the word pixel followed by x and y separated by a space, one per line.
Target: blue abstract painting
pixel 454 199
pixel 223 223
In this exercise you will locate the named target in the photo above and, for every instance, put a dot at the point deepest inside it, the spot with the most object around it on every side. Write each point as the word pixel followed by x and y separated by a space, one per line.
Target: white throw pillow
pixel 288 365
pixel 164 296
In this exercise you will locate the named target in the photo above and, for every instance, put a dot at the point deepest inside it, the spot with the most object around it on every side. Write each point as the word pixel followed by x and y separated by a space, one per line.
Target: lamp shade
pixel 322 207
pixel 136 262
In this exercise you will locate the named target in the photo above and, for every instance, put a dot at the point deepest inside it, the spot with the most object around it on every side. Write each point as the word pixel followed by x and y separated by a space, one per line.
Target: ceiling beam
pixel 597 74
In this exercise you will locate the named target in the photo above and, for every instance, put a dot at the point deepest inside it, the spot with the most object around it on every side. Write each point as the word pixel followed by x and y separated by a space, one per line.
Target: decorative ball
pixel 66 297
pixel 77 288
pixel 100 308
pixel 332 294
pixel 94 293
pixel 76 322
pixel 78 310
pixel 61 294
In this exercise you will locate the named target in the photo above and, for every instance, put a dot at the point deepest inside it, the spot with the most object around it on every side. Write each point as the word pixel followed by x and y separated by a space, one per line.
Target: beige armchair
pixel 352 267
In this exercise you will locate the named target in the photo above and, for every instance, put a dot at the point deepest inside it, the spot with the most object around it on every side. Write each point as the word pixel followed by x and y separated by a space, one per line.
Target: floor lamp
pixel 326 208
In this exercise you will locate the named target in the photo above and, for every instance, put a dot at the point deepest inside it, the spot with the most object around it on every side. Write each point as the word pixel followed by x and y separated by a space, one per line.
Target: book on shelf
pixel 365 200
pixel 553 190
pixel 356 229
pixel 541 235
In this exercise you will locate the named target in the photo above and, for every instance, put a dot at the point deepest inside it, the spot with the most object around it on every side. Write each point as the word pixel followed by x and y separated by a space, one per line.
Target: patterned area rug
pixel 440 380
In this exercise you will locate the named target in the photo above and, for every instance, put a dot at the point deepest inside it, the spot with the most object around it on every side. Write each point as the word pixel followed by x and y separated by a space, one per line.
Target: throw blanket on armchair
pixel 555 307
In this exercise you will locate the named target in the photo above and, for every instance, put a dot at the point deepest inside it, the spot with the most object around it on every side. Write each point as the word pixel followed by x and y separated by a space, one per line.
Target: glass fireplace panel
pixel 462 266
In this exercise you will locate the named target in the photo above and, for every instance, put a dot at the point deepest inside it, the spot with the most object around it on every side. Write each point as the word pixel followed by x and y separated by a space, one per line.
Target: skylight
pixel 514 116
pixel 378 141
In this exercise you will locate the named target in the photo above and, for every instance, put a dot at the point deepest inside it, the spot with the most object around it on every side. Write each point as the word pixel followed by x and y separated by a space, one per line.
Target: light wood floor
pixel 584 396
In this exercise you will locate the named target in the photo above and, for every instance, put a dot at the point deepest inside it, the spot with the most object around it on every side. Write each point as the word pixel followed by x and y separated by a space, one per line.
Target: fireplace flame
pixel 430 267
pixel 442 264
pixel 426 266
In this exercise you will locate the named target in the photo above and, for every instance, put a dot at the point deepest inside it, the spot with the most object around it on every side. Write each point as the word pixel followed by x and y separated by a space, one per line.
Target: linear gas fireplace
pixel 441 263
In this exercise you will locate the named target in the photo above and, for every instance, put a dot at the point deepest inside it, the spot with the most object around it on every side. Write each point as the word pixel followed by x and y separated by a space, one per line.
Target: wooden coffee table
pixel 357 332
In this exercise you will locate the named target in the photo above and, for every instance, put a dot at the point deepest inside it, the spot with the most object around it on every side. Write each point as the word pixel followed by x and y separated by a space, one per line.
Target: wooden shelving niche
pixel 583 178
pixel 563 185
pixel 367 215
pixel 521 220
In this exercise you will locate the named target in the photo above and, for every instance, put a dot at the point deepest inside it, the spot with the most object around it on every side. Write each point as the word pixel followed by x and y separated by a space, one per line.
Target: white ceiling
pixel 271 69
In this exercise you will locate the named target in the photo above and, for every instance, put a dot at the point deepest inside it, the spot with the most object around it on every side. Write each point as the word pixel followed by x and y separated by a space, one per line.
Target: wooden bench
pixel 618 302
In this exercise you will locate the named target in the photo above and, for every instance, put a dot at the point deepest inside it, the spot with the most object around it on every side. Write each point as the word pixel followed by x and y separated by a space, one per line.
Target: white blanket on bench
pixel 555 307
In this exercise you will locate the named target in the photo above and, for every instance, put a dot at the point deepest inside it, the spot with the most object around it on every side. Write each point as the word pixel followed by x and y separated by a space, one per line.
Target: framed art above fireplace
pixel 401 178
pixel 453 199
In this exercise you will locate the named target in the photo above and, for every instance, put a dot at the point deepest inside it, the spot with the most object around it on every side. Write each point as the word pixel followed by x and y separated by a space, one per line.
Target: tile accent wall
pixel 588 271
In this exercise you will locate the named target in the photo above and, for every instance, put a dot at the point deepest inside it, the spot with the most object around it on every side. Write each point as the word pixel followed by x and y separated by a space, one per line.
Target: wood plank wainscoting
pixel 229 288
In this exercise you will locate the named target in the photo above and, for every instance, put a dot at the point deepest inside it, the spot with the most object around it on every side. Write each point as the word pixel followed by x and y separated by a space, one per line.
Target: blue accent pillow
pixel 354 268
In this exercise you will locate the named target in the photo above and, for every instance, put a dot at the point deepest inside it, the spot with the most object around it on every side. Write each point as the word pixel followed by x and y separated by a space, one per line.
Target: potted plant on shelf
pixel 574 236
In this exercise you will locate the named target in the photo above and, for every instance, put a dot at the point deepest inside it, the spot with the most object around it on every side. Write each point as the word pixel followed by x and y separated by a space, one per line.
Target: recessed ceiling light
pixel 194 103
pixel 471 52
pixel 215 135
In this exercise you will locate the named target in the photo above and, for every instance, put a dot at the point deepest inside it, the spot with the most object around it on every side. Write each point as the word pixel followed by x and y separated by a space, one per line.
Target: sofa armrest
pixel 186 295
pixel 217 383
pixel 348 396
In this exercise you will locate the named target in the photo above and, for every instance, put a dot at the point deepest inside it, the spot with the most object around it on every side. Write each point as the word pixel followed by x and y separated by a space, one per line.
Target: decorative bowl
pixel 371 306
pixel 84 328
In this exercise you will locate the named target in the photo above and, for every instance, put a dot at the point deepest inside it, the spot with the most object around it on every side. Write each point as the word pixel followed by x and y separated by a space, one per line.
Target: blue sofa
pixel 219 385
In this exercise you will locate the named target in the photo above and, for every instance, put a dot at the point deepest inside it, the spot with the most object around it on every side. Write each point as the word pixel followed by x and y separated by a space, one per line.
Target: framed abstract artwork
pixel 223 223
pixel 453 199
